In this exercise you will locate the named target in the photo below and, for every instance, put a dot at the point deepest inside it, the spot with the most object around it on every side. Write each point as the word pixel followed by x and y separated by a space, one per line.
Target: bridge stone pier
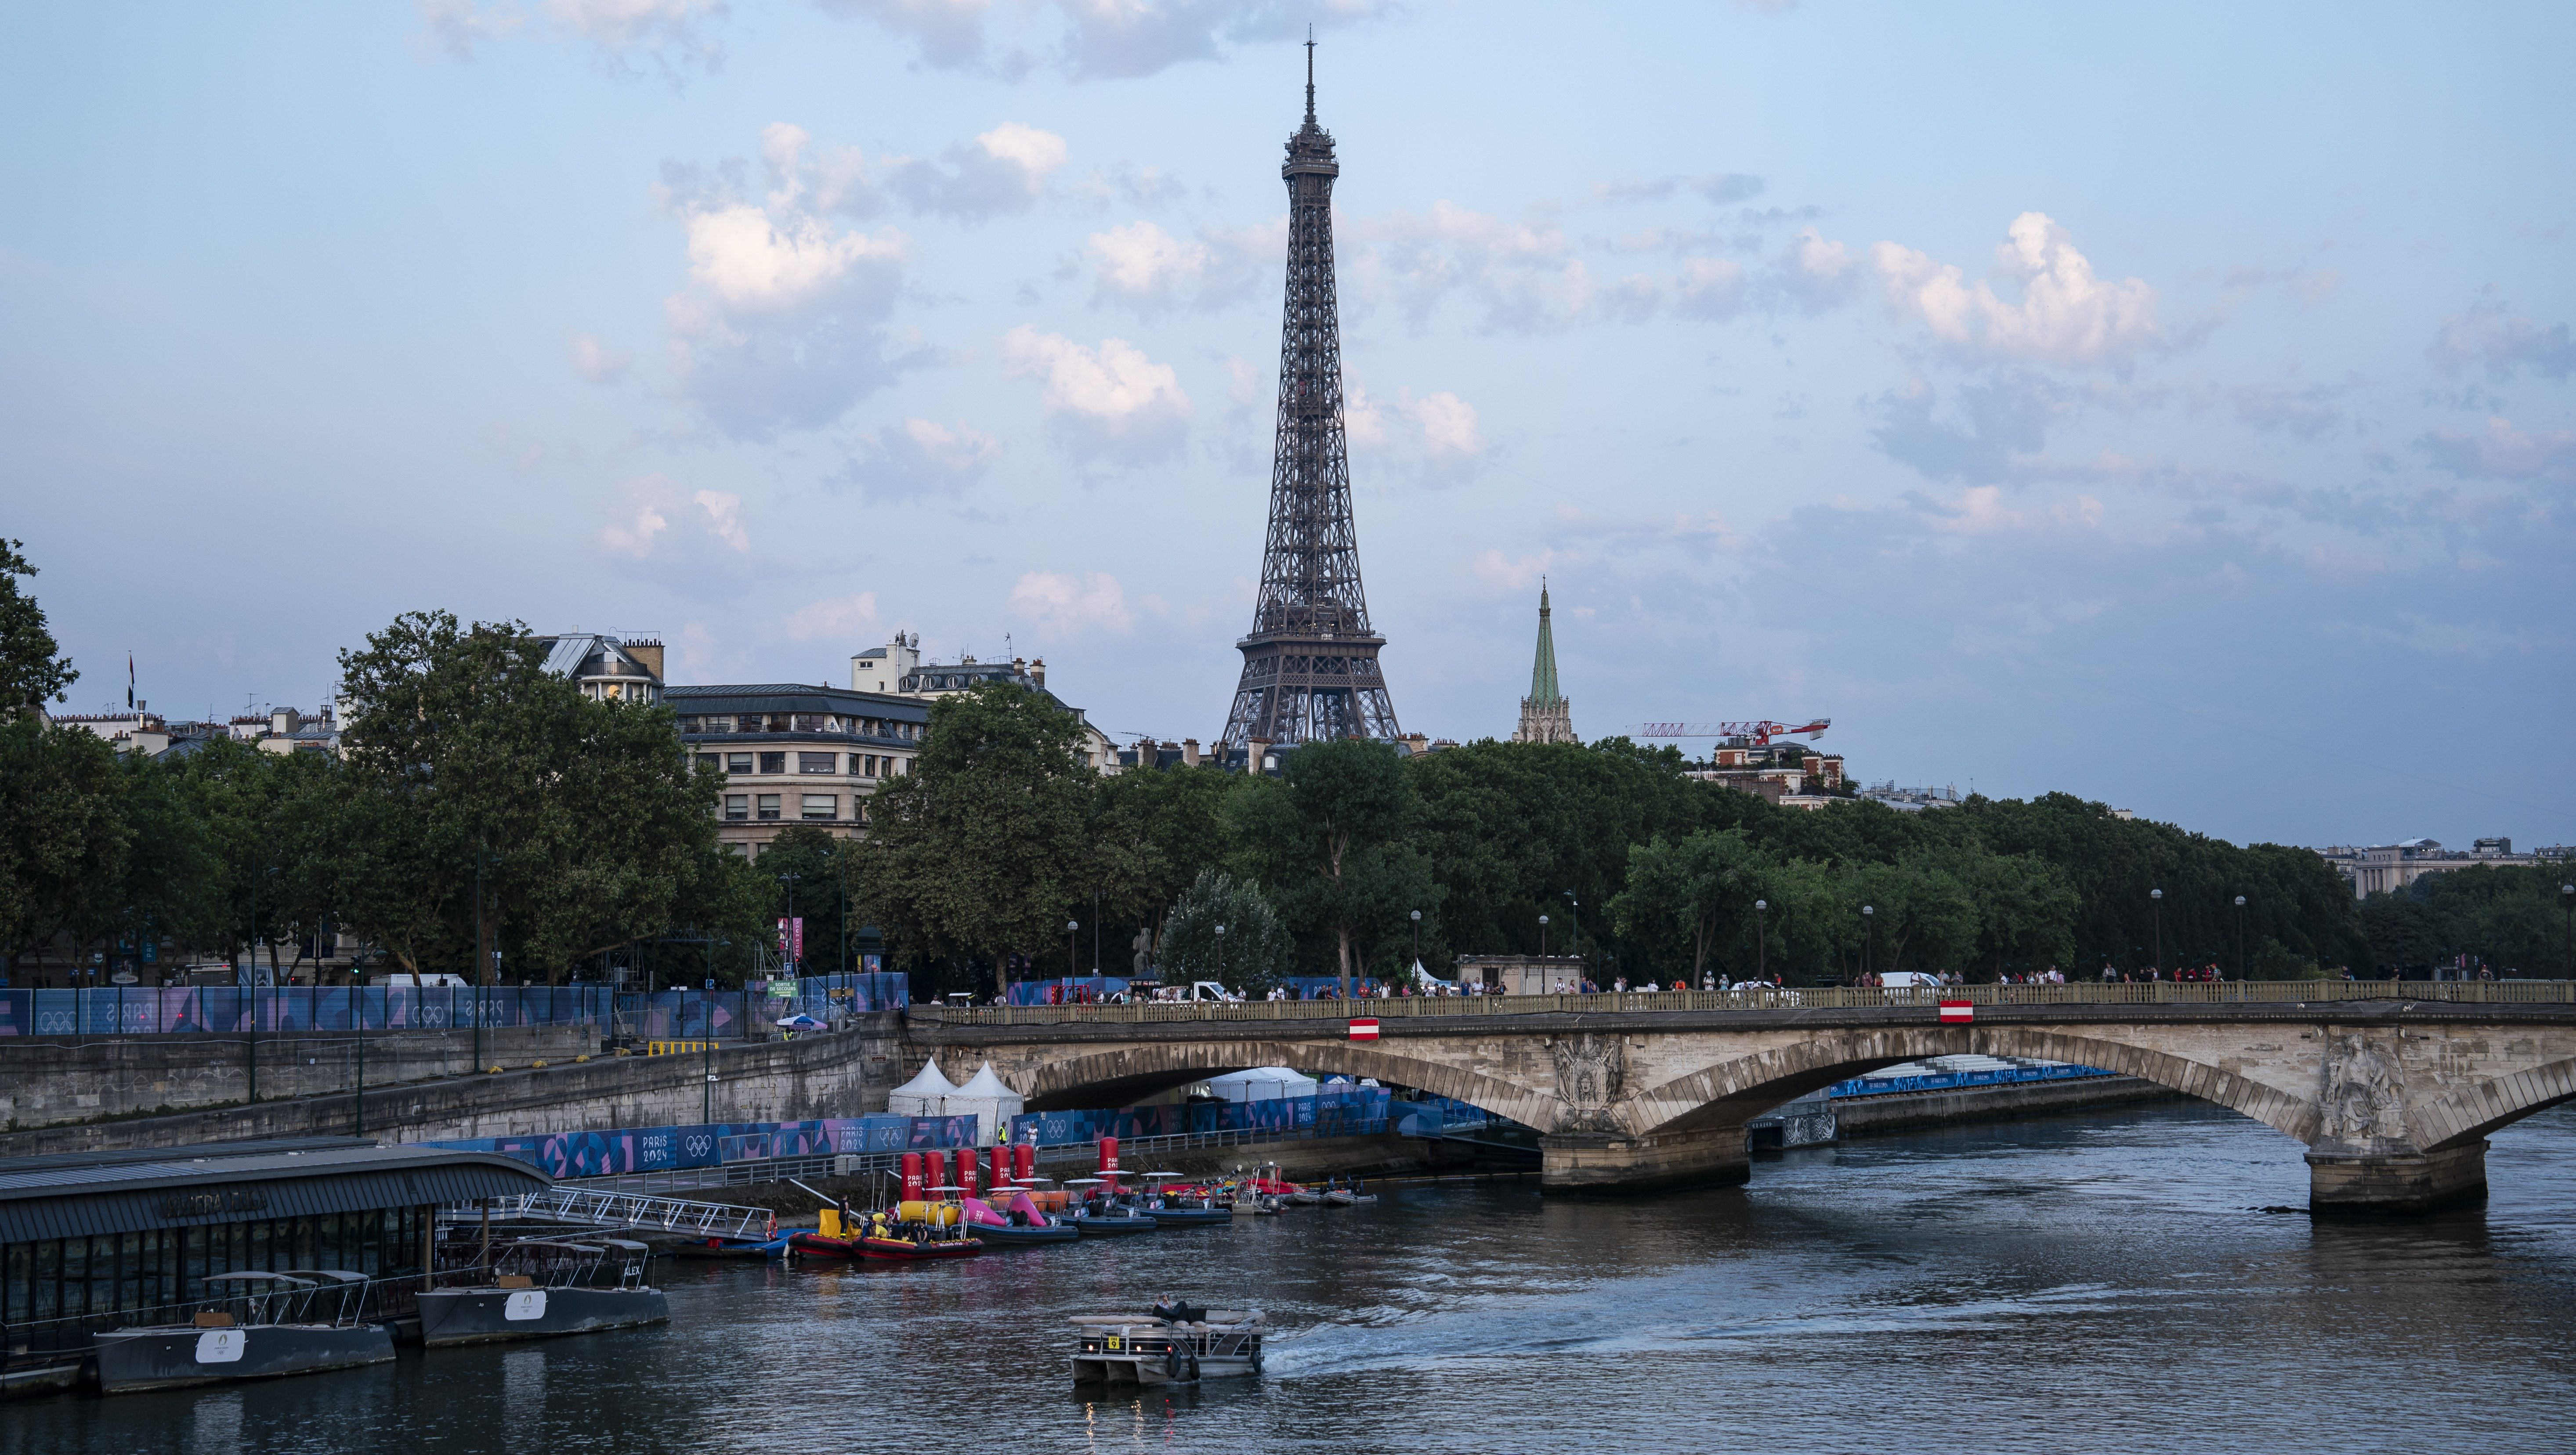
pixel 2393 1098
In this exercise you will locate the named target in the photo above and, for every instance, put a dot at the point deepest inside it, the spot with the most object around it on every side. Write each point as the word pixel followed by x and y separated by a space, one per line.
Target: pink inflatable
pixel 977 1211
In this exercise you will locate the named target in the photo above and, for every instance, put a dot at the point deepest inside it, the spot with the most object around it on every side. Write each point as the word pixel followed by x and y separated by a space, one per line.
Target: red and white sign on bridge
pixel 1364 1030
pixel 1958 1010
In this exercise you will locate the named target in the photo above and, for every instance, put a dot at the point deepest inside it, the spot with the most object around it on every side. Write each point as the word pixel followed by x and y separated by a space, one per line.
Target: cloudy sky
pixel 2174 407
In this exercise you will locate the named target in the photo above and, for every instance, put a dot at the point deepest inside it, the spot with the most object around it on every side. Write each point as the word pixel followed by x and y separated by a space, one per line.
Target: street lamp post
pixel 787 946
pixel 1574 931
pixel 1220 952
pixel 1542 937
pixel 2240 938
pixel 2157 897
pixel 2567 898
pixel 1761 941
pixel 1417 940
pixel 1868 934
pixel 1072 967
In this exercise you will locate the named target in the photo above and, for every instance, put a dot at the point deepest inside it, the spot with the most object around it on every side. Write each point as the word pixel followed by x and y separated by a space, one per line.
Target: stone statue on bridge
pixel 2365 1095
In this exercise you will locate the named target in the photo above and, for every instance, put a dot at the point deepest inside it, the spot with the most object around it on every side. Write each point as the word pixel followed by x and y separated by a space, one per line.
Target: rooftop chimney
pixel 647 655
pixel 1037 671
pixel 1189 752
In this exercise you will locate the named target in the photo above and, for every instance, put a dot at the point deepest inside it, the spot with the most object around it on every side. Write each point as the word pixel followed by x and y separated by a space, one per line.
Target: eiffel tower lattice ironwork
pixel 1310 669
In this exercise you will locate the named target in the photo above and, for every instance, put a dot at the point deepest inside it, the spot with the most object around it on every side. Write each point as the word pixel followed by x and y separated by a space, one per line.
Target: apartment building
pixel 793 753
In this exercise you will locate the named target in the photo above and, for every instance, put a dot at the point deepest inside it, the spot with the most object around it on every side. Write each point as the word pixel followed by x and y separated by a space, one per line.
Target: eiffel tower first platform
pixel 1310 670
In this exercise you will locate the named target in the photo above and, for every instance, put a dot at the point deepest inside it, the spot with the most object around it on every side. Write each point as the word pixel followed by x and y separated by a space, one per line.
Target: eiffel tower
pixel 1310 668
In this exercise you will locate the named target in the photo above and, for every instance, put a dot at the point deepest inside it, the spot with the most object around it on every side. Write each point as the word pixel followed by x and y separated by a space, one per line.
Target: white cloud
pixel 1111 400
pixel 1437 435
pixel 842 618
pixel 1525 277
pixel 1071 605
pixel 1095 39
pixel 595 361
pixel 921 457
pixel 651 518
pixel 2066 314
pixel 2505 344
pixel 2502 452
pixel 1003 173
pixel 1148 269
pixel 1980 510
pixel 618 28
pixel 782 322
pixel 832 179
pixel 1816 274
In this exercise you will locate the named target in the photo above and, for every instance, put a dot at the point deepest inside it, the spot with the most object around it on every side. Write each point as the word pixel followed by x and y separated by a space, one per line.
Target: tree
pixel 983 846
pixel 1153 832
pixel 29 670
pixel 63 834
pixel 1697 890
pixel 1253 954
pixel 590 827
pixel 1325 839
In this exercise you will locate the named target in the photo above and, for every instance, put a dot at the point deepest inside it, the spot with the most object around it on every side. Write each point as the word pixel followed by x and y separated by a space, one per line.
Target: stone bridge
pixel 2393 1098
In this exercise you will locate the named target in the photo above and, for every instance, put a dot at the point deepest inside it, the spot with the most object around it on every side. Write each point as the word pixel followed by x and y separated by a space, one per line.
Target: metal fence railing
pixel 1825 997
pixel 146 1010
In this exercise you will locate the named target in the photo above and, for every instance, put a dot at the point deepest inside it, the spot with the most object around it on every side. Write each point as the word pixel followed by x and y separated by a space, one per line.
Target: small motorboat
pixel 822 1245
pixel 256 1326
pixel 1344 1197
pixel 1021 1223
pixel 1180 1345
pixel 540 1288
pixel 924 1249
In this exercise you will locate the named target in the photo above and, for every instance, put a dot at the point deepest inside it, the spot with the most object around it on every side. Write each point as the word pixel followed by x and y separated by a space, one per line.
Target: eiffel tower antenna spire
pixel 1310 75
pixel 1310 669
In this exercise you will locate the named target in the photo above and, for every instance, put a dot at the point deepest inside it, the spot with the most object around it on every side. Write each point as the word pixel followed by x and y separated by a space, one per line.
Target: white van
pixel 1909 980
pixel 1198 990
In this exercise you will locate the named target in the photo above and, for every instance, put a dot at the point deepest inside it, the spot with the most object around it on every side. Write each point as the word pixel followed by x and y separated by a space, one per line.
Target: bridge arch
pixel 2465 1115
pixel 1745 1086
pixel 1057 1082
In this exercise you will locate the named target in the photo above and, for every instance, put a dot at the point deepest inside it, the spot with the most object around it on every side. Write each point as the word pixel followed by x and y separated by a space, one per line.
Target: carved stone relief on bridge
pixel 2365 1094
pixel 1591 1076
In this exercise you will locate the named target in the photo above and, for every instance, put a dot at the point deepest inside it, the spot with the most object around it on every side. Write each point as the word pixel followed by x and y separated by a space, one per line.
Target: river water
pixel 2105 1282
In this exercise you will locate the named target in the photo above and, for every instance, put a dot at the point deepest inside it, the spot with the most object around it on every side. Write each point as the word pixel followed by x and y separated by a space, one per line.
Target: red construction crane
pixel 1760 732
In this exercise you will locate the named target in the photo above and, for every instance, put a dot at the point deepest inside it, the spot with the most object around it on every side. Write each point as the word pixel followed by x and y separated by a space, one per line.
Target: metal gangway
pixel 584 1208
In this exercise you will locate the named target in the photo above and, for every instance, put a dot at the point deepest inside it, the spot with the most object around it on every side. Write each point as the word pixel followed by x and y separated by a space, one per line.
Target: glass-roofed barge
pixel 92 1242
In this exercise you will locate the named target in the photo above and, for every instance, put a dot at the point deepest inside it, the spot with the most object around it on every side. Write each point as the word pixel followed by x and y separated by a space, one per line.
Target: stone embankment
pixel 846 1073
pixel 48 1081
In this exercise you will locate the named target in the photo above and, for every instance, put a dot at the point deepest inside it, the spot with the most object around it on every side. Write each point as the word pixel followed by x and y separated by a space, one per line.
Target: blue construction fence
pixel 1954 1080
pixel 1067 990
pixel 629 1150
pixel 145 1010
pixel 1347 1112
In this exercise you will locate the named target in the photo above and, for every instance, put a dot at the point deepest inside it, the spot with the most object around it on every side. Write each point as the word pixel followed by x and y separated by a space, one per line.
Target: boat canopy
pixel 288 1280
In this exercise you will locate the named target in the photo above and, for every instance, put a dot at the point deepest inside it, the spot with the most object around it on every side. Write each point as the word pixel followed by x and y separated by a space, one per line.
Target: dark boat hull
pixel 1192 1217
pixel 729 1248
pixel 175 1357
pixel 1113 1227
pixel 1019 1237
pixel 451 1316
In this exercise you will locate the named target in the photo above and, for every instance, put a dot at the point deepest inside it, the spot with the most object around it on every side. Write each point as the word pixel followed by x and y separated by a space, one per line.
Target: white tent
pixel 925 1095
pixel 1261 1083
pixel 990 1100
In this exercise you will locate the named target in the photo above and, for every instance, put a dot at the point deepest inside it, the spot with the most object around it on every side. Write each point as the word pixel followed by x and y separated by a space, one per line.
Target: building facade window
pixel 868 766
pixel 768 805
pixel 818 762
pixel 737 762
pixel 711 760
pixel 822 805
pixel 737 808
pixel 773 762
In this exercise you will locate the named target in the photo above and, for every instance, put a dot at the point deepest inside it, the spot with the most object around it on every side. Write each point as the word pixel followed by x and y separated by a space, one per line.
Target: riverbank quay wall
pixel 2392 1089
pixel 50 1080
pixel 841 1073
pixel 1914 1111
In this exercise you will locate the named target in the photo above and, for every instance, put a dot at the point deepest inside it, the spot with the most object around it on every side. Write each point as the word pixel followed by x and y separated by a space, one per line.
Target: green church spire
pixel 1543 691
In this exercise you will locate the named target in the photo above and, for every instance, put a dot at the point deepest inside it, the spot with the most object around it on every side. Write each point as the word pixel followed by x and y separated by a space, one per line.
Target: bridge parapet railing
pixel 1803 997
